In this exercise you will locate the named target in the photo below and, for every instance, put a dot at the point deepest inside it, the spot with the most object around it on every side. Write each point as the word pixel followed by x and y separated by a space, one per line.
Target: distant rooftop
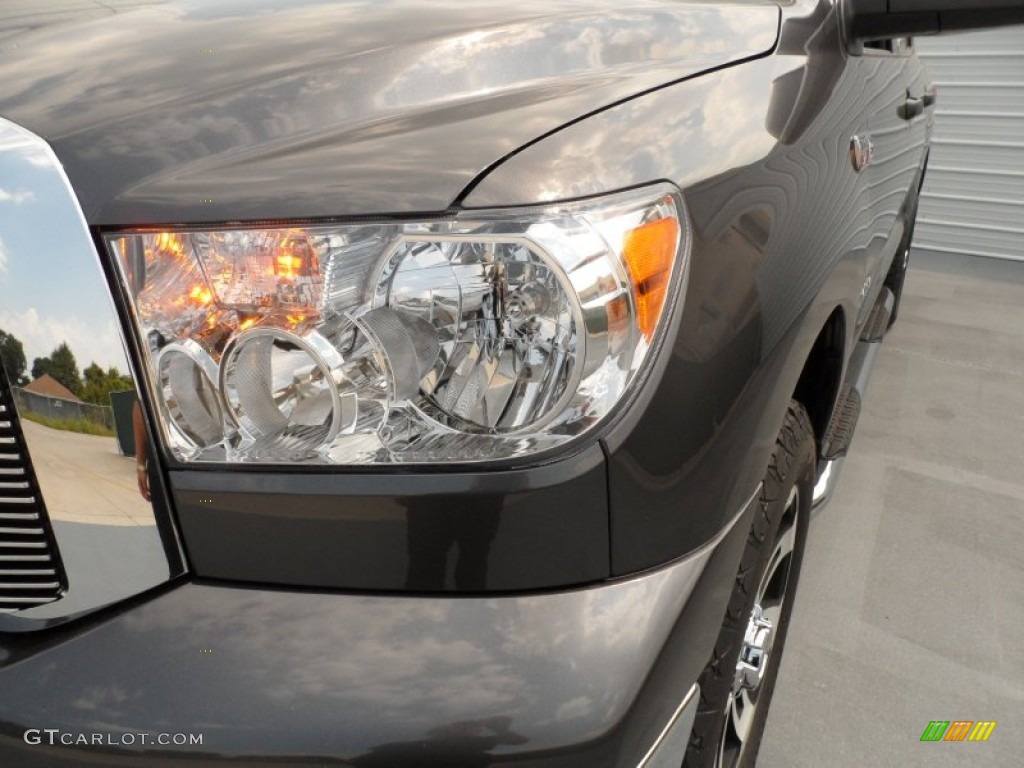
pixel 48 386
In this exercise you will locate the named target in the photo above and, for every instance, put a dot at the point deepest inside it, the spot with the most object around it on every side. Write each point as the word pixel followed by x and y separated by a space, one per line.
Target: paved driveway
pixel 84 478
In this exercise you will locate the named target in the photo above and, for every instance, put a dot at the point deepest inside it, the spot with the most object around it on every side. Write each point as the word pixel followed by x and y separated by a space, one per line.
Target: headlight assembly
pixel 490 335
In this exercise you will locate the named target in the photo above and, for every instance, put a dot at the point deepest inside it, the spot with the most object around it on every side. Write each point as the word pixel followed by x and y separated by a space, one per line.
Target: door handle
pixel 912 108
pixel 930 96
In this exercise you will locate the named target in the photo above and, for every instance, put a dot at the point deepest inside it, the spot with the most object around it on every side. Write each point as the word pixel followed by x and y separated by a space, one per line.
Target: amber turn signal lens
pixel 650 251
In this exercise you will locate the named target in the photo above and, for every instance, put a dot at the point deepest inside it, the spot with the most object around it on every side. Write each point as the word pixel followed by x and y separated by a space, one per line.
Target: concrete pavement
pixel 106 533
pixel 911 601
pixel 84 478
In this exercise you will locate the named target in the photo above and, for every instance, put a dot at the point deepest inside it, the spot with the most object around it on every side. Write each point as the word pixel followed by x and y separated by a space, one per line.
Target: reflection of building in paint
pixel 47 386
pixel 48 397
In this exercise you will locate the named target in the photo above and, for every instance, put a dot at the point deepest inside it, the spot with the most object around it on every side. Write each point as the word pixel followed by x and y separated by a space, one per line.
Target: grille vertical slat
pixel 31 573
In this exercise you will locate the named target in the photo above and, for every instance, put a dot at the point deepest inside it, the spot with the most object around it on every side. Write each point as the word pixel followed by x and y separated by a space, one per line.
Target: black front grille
pixel 30 569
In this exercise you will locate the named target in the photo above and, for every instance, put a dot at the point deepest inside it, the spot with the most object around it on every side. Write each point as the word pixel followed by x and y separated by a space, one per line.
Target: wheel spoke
pixel 780 556
pixel 742 715
pixel 794 494
pixel 784 544
pixel 772 613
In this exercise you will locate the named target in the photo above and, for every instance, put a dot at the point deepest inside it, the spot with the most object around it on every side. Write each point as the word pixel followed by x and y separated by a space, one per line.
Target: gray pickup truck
pixel 490 358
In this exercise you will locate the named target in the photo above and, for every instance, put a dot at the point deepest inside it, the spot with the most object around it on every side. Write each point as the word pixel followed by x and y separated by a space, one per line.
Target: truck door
pixel 892 162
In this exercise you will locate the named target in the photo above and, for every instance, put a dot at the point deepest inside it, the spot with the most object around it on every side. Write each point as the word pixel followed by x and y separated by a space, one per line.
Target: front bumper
pixel 589 677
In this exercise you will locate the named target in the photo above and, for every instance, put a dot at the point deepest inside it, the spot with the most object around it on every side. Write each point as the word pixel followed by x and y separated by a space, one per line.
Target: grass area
pixel 84 426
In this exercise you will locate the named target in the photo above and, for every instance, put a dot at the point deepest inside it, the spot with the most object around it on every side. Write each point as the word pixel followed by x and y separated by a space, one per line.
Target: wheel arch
pixel 818 386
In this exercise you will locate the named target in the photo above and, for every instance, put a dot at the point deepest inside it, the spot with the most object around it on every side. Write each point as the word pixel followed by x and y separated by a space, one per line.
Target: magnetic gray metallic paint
pixel 145 136
pixel 193 111
pixel 760 149
pixel 583 678
pixel 586 677
pixel 465 531
pixel 785 232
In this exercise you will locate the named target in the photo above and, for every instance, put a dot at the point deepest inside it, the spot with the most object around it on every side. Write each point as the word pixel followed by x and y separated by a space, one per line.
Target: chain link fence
pixel 61 409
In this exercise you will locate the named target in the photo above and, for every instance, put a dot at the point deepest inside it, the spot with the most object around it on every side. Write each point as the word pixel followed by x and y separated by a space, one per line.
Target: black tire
pixel 785 506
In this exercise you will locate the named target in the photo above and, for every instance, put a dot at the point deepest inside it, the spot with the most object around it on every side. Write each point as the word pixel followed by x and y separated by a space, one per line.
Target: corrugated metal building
pixel 973 201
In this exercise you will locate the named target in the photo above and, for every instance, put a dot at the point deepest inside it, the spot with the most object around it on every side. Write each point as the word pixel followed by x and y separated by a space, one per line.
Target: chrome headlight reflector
pixel 491 335
pixel 185 379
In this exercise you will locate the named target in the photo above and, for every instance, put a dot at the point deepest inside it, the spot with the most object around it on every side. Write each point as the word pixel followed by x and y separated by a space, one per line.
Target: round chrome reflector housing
pixel 282 390
pixel 186 376
pixel 507 330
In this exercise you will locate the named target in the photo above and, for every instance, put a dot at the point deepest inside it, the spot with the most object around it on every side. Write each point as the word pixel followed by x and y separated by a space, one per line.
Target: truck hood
pixel 215 110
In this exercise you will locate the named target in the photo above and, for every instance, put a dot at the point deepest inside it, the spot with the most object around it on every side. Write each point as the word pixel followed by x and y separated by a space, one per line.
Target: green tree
pixel 60 365
pixel 12 353
pixel 41 366
pixel 97 384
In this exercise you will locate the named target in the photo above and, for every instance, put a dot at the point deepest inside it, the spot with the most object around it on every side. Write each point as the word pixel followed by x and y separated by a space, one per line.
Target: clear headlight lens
pixel 491 335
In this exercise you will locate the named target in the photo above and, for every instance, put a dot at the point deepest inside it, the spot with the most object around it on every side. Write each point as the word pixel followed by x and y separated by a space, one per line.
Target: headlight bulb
pixel 508 334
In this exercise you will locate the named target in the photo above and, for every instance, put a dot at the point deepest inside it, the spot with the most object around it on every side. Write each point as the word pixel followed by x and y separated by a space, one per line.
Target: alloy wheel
pixel 756 655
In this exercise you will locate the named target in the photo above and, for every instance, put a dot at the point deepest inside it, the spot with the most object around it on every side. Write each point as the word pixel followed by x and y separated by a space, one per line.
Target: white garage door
pixel 973 200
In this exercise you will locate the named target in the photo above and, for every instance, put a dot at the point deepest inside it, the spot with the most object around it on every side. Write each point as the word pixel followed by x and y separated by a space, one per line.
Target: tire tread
pixel 794 447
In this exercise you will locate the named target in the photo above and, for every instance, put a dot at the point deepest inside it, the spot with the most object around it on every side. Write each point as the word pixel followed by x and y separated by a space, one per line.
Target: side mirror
pixel 883 19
